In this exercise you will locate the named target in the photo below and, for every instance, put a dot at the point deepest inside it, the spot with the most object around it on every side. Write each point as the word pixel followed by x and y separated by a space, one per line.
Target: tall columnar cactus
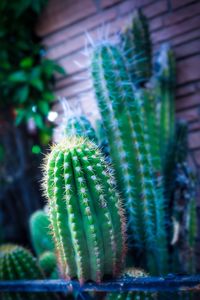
pixel 18 263
pixel 86 215
pixel 123 121
pixel 80 126
pixel 40 232
pixel 136 43
pixel 165 85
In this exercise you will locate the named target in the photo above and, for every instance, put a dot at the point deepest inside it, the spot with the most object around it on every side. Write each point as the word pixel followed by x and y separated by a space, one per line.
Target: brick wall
pixel 64 23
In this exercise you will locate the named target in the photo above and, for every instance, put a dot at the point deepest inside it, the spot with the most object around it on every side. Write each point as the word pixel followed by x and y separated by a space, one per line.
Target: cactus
pixel 40 232
pixel 48 264
pixel 136 44
pixel 86 215
pixel 131 272
pixel 165 85
pixel 103 141
pixel 123 120
pixel 80 126
pixel 18 263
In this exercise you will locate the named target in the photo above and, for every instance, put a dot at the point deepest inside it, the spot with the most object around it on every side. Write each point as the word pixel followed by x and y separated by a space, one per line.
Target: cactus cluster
pixel 123 119
pixel 85 211
pixel 18 263
pixel 48 264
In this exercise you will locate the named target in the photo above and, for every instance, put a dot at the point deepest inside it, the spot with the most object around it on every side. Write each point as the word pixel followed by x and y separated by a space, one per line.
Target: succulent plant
pixel 40 232
pixel 80 126
pixel 48 264
pixel 86 214
pixel 103 141
pixel 18 263
pixel 165 86
pixel 136 44
pixel 123 119
pixel 131 272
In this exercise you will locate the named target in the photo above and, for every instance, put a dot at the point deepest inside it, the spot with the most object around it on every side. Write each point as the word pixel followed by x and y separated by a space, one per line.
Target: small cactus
pixel 40 232
pixel 131 272
pixel 18 263
pixel 86 215
pixel 80 126
pixel 123 119
pixel 48 264
pixel 136 44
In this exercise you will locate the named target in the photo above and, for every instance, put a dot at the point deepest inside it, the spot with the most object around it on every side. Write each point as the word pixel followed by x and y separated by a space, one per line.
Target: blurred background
pixel 44 56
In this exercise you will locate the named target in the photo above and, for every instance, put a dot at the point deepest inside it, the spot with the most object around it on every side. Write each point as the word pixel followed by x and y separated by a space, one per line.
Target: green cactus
pixel 48 264
pixel 40 232
pixel 86 215
pixel 165 86
pixel 18 263
pixel 103 141
pixel 131 272
pixel 137 47
pixel 123 120
pixel 80 126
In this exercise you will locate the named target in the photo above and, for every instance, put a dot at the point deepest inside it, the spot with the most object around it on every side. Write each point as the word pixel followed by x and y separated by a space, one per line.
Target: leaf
pixel 21 113
pixel 38 121
pixel 38 84
pixel 59 69
pixel 22 93
pixel 26 62
pixel 19 76
pixel 43 107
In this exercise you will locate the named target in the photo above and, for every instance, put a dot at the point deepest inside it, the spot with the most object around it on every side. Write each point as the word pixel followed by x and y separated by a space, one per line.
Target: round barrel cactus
pixel 48 263
pixel 18 263
pixel 86 214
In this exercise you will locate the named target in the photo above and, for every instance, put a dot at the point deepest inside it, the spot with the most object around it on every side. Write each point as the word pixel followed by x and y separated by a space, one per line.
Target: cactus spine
pixel 137 46
pixel 80 126
pixel 123 121
pixel 86 215
pixel 18 263
pixel 40 232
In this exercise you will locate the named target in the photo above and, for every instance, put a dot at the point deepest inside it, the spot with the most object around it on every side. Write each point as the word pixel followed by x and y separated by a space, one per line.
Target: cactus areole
pixel 85 211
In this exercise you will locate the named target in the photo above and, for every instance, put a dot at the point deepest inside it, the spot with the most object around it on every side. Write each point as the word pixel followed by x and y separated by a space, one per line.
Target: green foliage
pixel 18 263
pixel 48 264
pixel 85 212
pixel 80 126
pixel 40 232
pixel 123 118
pixel 136 44
pixel 26 77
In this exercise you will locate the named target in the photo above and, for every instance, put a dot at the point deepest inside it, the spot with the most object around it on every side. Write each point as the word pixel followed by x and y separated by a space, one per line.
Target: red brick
pixel 194 140
pixel 126 7
pixel 69 14
pixel 189 101
pixel 186 89
pixel 182 14
pixel 155 9
pixel 80 27
pixel 190 115
pixel 174 30
pixel 70 80
pixel 188 49
pixel 107 3
pixel 186 37
pixel 75 89
pixel 188 69
pixel 179 3
pixel 197 157
pixel 156 23
pixel 194 126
